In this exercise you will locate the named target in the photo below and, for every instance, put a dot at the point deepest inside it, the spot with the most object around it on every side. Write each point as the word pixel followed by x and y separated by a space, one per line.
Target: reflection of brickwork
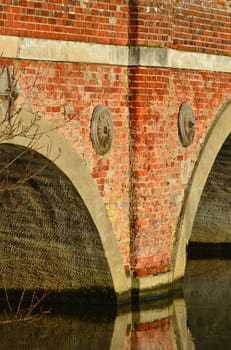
pixel 156 334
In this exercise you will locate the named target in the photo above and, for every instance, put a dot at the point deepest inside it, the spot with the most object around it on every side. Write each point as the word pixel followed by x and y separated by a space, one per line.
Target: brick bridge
pixel 133 140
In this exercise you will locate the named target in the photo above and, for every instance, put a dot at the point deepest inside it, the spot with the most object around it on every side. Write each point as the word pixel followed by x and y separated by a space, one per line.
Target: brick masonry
pixel 161 168
pixel 97 21
pixel 143 179
pixel 201 26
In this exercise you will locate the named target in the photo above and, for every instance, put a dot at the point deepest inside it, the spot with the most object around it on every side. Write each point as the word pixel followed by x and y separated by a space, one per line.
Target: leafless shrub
pixel 32 311
pixel 14 125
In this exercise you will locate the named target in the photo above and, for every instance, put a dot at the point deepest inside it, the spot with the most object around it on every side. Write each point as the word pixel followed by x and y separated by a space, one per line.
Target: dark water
pixel 207 292
pixel 200 320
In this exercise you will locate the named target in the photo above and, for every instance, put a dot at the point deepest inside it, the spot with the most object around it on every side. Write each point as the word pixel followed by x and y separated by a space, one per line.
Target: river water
pixel 200 320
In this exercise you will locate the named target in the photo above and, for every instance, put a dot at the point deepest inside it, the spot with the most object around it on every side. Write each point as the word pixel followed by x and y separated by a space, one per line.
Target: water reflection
pixel 200 321
pixel 208 298
pixel 154 328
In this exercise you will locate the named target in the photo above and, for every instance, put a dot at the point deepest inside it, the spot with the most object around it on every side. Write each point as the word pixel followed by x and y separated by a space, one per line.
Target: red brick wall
pixel 189 25
pixel 202 26
pixel 158 158
pixel 195 25
pixel 78 88
pixel 82 20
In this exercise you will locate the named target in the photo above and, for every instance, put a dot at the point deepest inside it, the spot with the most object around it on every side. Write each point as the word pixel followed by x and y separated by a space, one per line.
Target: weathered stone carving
pixel 101 130
pixel 186 124
pixel 8 93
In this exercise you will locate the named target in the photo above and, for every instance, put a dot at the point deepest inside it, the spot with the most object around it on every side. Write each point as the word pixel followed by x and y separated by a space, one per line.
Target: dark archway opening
pixel 211 233
pixel 208 270
pixel 48 239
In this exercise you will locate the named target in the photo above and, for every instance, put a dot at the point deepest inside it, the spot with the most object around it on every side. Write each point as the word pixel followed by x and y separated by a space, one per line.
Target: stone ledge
pixel 169 58
pixel 82 52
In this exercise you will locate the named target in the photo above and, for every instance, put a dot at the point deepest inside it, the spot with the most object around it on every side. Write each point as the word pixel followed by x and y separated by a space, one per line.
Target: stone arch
pixel 215 139
pixel 73 167
pixel 212 223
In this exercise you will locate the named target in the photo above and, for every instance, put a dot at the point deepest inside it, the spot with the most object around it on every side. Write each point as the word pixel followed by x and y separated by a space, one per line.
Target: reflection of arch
pixel 216 137
pixel 74 168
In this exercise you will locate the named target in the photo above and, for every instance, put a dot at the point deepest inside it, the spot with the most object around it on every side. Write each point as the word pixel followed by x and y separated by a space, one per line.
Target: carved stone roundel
pixel 101 129
pixel 186 124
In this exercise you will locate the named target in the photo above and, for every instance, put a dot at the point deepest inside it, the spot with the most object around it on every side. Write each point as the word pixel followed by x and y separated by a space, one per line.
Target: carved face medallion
pixel 101 130
pixel 186 124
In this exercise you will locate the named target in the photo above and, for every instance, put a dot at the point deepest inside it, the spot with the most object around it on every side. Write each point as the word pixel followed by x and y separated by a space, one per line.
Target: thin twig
pixel 20 303
pixel 8 300
pixel 39 300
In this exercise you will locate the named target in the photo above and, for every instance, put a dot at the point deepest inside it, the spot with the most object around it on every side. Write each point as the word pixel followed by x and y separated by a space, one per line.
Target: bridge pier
pixel 133 207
